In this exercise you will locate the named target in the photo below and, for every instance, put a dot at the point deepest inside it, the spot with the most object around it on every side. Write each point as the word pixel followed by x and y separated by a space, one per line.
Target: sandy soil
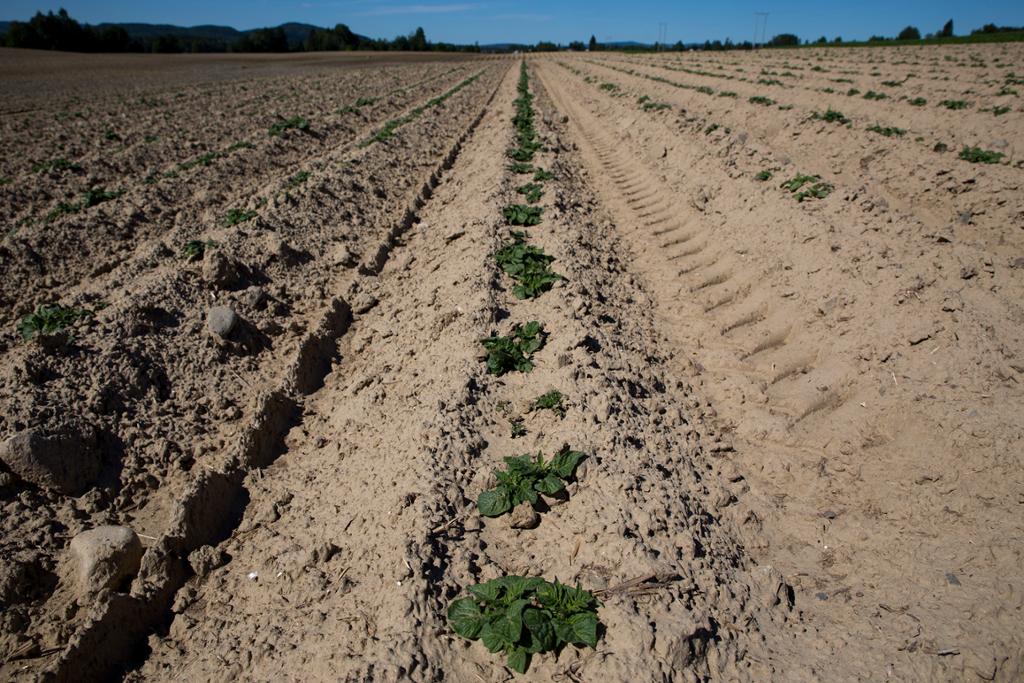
pixel 801 419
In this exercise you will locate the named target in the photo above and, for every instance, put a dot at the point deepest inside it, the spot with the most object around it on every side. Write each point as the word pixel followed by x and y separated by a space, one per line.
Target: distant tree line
pixel 60 31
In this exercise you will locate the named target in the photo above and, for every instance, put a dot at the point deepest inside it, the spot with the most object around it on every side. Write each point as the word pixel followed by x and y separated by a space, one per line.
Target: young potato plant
pixel 917 102
pixel 520 168
pixel 523 616
pixel 528 266
pixel 533 192
pixel 90 198
pixel 56 165
pixel 954 104
pixel 525 478
pixel 763 101
pixel 236 216
pixel 553 401
pixel 514 352
pixel 295 123
pixel 830 116
pixel 193 250
pixel 763 175
pixel 872 95
pixel 522 214
pixel 540 175
pixel 977 155
pixel 887 131
pixel 807 187
pixel 51 319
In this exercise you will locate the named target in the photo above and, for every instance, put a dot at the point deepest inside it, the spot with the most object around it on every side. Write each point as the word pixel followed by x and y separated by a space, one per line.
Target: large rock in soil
pixel 68 462
pixel 104 557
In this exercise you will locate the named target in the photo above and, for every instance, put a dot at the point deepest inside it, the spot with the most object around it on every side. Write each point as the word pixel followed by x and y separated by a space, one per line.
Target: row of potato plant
pixel 516 615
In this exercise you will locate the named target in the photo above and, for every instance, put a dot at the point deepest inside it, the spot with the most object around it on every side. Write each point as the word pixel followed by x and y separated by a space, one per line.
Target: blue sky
pixel 490 21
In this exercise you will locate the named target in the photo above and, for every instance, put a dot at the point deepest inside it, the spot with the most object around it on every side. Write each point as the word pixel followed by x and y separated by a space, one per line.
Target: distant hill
pixel 210 36
pixel 294 32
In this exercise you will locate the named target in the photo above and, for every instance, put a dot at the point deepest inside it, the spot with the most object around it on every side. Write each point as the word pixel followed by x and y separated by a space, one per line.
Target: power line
pixel 760 20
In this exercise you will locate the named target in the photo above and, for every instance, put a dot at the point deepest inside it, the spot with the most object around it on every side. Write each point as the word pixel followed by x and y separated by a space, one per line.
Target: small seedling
pixel 518 427
pixel 202 160
pixel 917 102
pixel 830 116
pixel 852 92
pixel 533 192
pixel 655 106
pixel 295 123
pixel 764 101
pixel 296 180
pixel 727 93
pixel 522 616
pixel 807 187
pixel 528 265
pixel 872 95
pixel 763 176
pixel 521 214
pixel 525 478
pixel 887 131
pixel 515 352
pixel 51 319
pixel 56 165
pixel 194 250
pixel 90 198
pixel 236 216
pixel 609 87
pixel 977 155
pixel 954 104
pixel 551 401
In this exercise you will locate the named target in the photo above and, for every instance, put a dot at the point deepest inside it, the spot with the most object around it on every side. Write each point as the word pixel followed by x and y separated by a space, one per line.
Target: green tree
pixel 784 40
pixel 947 30
pixel 418 40
pixel 909 33
pixel 592 45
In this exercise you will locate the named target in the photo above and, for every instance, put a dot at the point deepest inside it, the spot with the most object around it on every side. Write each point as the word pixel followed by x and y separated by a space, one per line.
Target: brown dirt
pixel 801 418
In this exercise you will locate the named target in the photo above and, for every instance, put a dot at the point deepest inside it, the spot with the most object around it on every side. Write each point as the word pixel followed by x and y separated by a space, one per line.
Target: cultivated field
pixel 272 326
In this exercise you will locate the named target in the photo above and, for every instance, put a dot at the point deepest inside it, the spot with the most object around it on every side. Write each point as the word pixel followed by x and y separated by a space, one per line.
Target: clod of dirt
pixel 221 321
pixel 18 580
pixel 524 517
pixel 364 303
pixel 219 270
pixel 279 250
pixel 104 557
pixel 343 256
pixel 205 559
pixel 66 461
pixel 254 298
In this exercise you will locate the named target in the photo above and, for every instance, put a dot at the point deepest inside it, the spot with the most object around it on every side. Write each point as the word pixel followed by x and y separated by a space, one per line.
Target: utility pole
pixel 760 20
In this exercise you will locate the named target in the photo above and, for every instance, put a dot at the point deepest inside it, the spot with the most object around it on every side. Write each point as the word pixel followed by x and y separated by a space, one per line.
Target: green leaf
pixel 564 464
pixel 542 633
pixel 494 503
pixel 514 619
pixel 584 628
pixel 493 636
pixel 465 618
pixel 518 660
pixel 487 591
pixel 550 485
